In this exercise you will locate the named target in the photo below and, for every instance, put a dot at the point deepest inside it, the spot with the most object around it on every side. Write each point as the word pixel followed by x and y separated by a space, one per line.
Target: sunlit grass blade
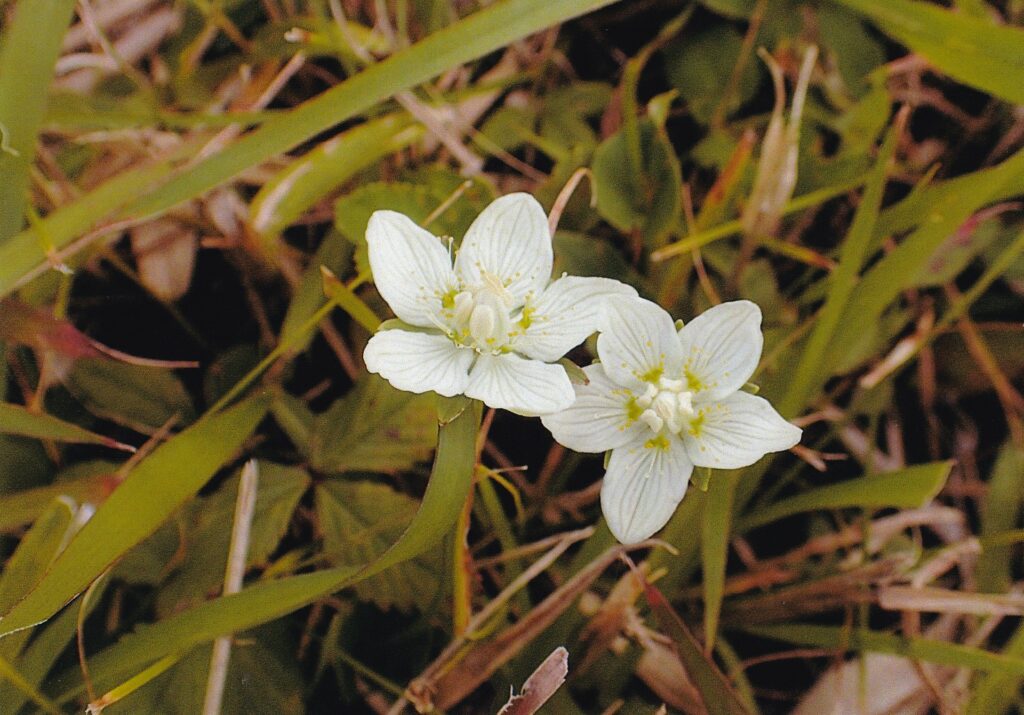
pixel 151 492
pixel 470 38
pixel 450 482
pixel 973 50
pixel 31 45
pixel 16 419
pixel 908 488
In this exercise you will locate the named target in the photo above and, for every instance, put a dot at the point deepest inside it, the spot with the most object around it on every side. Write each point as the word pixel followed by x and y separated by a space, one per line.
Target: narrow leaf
pixel 149 495
pixel 31 45
pixel 907 488
pixel 932 651
pixel 716 522
pixel 16 419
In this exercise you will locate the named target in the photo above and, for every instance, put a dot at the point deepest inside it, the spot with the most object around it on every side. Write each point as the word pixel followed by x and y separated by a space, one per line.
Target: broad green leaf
pixel 289 194
pixel 582 255
pixel 973 50
pixel 205 537
pixel 136 395
pixel 716 530
pixel 151 492
pixel 931 651
pixel 996 692
pixel 482 32
pixel 1001 510
pixel 648 203
pixel 700 64
pixel 374 428
pixel 450 483
pixel 908 488
pixel 359 520
pixel 31 46
pixel 716 691
pixel 16 419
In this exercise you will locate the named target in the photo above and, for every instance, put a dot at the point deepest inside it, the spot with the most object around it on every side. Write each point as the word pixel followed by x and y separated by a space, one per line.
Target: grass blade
pixel 149 495
pixel 31 46
pixel 908 488
pixel 450 482
pixel 16 419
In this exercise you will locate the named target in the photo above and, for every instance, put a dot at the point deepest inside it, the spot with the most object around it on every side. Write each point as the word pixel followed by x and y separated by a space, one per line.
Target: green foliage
pixel 891 293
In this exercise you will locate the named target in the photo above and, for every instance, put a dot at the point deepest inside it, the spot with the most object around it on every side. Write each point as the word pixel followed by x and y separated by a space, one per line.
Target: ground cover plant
pixel 565 355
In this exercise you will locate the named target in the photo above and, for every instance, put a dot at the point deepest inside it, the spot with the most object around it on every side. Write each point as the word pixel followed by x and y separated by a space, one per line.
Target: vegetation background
pixel 175 175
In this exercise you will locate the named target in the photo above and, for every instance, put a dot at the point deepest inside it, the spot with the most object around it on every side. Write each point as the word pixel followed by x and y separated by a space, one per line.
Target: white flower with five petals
pixel 664 401
pixel 491 325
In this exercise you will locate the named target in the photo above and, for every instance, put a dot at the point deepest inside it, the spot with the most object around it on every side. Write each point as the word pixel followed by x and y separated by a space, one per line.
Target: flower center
pixel 481 316
pixel 666 403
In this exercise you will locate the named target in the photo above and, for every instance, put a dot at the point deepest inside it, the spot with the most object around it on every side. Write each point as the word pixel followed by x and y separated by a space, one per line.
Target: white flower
pixel 664 401
pixel 490 326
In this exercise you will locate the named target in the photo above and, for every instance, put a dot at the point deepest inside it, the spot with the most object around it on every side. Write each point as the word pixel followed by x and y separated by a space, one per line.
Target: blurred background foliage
pixel 176 176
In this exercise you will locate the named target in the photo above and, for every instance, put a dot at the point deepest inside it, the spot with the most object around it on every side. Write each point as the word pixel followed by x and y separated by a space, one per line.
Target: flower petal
pixel 411 267
pixel 569 310
pixel 638 342
pixel 598 420
pixel 737 432
pixel 526 387
pixel 643 486
pixel 722 346
pixel 509 241
pixel 419 362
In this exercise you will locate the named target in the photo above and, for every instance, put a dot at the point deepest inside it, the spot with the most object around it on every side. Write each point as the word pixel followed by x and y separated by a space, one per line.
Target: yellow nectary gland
pixel 666 403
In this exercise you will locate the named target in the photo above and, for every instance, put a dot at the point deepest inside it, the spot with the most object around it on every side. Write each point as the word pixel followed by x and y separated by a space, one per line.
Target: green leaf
pixel 136 395
pixel 16 419
pixel 26 566
pixel 931 651
pixel 649 203
pixel 334 253
pixel 374 428
pixel 482 32
pixel 970 49
pixel 289 194
pixel 716 523
pixel 152 491
pixel 205 538
pixel 908 488
pixel 699 65
pixel 85 482
pixel 1001 511
pixel 449 486
pixel 31 46
pixel 359 521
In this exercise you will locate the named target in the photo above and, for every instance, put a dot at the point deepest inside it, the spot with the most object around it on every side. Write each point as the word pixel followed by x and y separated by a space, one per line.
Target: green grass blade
pixel 716 523
pixel 812 371
pixel 973 50
pixel 932 651
pixel 31 45
pixel 907 488
pixel 152 491
pixel 468 39
pixel 16 419
pixel 26 253
pixel 450 482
